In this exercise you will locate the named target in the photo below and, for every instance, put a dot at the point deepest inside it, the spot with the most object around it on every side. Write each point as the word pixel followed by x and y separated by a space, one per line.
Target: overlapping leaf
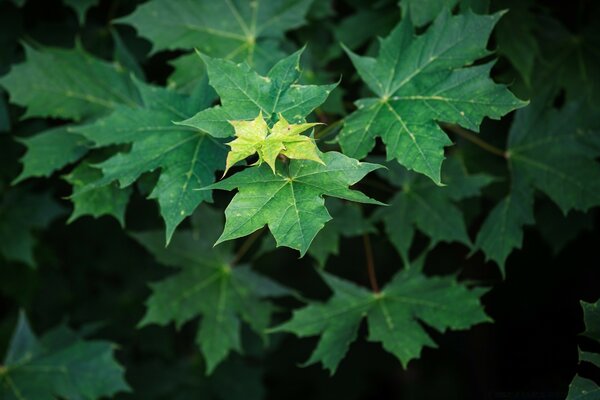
pixel 59 365
pixel 21 214
pixel 98 200
pixel 244 94
pixel 187 158
pixel 420 80
pixel 347 221
pixel 68 84
pixel 237 30
pixel 394 315
pixel 51 150
pixel 291 201
pixel 555 152
pixel 283 139
pixel 432 209
pixel 209 287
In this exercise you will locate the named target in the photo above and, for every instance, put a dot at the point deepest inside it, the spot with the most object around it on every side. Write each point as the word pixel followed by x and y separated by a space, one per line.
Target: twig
pixel 246 246
pixel 370 263
pixel 467 135
pixel 324 132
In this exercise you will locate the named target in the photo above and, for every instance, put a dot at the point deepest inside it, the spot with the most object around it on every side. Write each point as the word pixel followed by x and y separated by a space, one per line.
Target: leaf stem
pixel 468 135
pixel 326 131
pixel 246 246
pixel 370 263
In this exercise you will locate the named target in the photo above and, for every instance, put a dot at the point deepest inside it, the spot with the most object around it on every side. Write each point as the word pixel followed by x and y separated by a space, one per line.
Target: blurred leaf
pixel 21 214
pixel 394 315
pixel 59 364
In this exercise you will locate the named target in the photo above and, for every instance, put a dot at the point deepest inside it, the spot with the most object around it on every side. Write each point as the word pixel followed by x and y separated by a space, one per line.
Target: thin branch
pixel 468 135
pixel 370 263
pixel 246 246
pixel 324 132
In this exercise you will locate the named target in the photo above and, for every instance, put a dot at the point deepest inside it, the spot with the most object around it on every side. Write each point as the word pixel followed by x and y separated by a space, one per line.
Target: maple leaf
pixel 291 201
pixel 582 388
pixel 244 94
pixel 60 364
pixel 239 31
pixel 21 214
pixel 96 200
pixel 208 286
pixel 422 12
pixel 425 206
pixel 81 7
pixel 49 151
pixel 68 84
pixel 284 138
pixel 347 221
pixel 394 315
pixel 420 80
pixel 187 158
pixel 553 151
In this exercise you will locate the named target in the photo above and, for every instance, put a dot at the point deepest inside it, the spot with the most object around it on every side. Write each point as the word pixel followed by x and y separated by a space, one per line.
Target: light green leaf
pixel 284 138
pixel 21 214
pixel 421 80
pixel 187 158
pixel 68 84
pixel 60 364
pixel 394 315
pixel 108 199
pixel 291 201
pixel 244 94
pixel 208 286
pixel 50 151
pixel 427 207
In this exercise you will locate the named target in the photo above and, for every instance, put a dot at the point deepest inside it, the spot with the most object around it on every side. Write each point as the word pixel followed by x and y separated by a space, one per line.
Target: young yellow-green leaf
pixel 284 138
pixel 108 199
pixel 394 316
pixel 187 158
pixel 68 84
pixel 425 206
pixel 244 94
pixel 59 365
pixel 208 286
pixel 250 31
pixel 582 388
pixel 21 214
pixel 291 201
pixel 421 80
pixel 552 151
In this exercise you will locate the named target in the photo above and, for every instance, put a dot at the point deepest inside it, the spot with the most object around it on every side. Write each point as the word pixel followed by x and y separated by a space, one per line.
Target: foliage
pixel 417 143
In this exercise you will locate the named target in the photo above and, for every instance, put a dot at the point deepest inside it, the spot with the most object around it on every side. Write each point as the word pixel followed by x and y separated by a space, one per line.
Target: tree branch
pixel 370 263
pixel 468 135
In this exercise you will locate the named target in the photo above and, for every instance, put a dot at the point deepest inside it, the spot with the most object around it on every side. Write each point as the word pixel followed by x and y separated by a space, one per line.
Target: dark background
pixel 91 271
